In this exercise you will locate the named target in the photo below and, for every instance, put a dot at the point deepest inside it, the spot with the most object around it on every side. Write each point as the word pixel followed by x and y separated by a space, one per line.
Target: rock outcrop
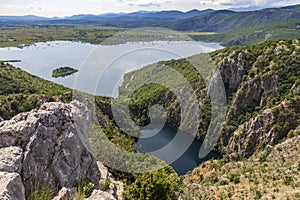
pixel 10 159
pixel 115 188
pixel 66 194
pixel 11 186
pixel 100 195
pixel 45 147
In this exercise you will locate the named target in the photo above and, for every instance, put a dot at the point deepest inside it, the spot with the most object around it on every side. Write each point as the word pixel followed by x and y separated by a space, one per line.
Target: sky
pixel 61 8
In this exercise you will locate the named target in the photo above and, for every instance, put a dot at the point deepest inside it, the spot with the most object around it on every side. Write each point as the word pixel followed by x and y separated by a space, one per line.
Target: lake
pixel 153 139
pixel 101 70
pixel 101 67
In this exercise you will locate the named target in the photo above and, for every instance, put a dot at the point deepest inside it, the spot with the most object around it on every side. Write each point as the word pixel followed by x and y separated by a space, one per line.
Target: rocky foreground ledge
pixel 44 148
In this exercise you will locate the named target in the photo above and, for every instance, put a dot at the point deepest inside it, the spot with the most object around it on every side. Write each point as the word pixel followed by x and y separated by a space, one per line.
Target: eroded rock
pixel 54 140
pixel 100 195
pixel 11 186
pixel 66 194
pixel 10 159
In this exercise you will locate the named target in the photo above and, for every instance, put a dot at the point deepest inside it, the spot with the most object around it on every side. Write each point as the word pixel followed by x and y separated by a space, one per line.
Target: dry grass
pixel 276 178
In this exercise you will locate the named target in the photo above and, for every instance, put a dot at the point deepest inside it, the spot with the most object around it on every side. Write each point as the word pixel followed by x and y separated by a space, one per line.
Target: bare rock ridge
pixel 44 148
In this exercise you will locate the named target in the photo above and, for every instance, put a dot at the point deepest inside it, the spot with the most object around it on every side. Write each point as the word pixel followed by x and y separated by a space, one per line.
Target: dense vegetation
pixel 161 184
pixel 150 94
pixel 20 91
pixel 63 71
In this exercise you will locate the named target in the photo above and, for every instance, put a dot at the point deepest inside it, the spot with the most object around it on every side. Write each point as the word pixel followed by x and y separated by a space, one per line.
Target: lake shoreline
pixel 41 58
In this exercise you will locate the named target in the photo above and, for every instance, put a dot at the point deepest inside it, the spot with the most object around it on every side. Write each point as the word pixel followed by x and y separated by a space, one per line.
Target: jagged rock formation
pixel 100 195
pixel 11 186
pixel 262 130
pixel 10 159
pixel 66 193
pixel 45 147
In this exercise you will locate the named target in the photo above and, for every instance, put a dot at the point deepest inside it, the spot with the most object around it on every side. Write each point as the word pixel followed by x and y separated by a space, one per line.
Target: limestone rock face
pixel 11 186
pixel 66 194
pixel 256 93
pixel 56 151
pixel 232 71
pixel 103 171
pixel 100 195
pixel 262 129
pixel 10 159
pixel 116 188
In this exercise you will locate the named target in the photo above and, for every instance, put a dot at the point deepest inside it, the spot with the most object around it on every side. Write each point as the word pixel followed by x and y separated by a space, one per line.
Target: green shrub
pixel 104 185
pixel 213 178
pixel 85 188
pixel 293 133
pixel 288 180
pixel 161 184
pixel 235 177
pixel 265 154
pixel 257 195
pixel 41 193
pixel 224 182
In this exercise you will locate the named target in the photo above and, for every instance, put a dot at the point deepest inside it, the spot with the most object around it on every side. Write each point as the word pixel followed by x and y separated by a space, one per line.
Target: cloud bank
pixel 71 7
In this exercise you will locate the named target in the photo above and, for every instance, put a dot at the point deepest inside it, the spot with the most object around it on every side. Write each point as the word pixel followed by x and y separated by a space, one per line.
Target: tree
pixel 162 184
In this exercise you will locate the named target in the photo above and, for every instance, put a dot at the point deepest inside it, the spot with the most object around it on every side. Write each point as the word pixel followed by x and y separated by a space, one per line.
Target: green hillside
pixel 225 20
pixel 253 35
pixel 21 91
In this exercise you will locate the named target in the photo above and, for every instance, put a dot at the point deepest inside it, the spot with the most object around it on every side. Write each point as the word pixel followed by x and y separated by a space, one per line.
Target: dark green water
pixel 155 139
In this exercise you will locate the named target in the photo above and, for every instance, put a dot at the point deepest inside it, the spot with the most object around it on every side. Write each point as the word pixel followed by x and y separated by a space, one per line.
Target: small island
pixel 63 72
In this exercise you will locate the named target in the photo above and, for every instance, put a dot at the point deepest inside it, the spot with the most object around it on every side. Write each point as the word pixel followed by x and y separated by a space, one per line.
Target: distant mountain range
pixel 139 15
pixel 194 20
pixel 142 15
pixel 25 18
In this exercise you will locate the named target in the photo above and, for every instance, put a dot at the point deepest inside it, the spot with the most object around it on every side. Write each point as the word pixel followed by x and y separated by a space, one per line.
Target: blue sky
pixel 60 8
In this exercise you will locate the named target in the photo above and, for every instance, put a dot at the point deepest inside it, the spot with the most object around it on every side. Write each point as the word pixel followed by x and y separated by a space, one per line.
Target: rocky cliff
pixel 262 86
pixel 44 149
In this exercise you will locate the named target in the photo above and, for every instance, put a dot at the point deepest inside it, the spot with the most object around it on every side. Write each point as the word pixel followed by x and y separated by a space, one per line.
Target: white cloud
pixel 142 3
pixel 71 7
pixel 251 3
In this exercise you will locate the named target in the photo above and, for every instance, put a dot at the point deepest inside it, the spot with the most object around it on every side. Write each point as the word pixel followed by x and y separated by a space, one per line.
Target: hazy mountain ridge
pixel 206 20
pixel 160 15
pixel 224 20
